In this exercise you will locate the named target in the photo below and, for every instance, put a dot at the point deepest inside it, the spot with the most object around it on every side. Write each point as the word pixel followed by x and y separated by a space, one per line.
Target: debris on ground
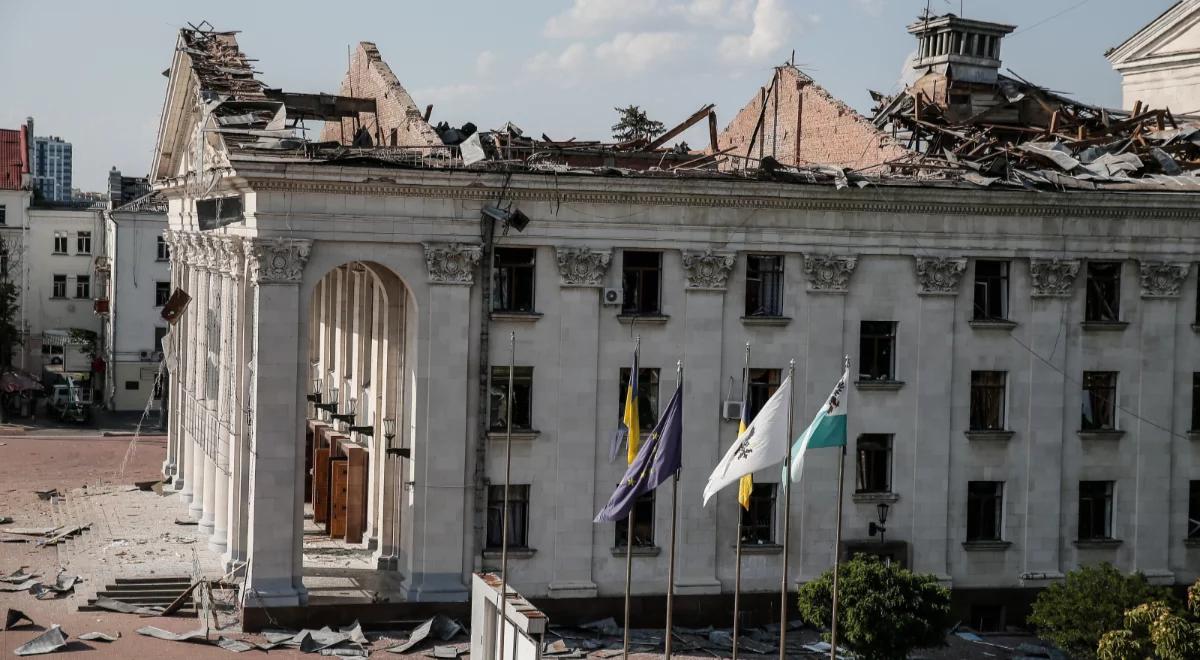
pixel 6 520
pixel 99 637
pixel 65 534
pixel 63 584
pixel 14 617
pixel 45 495
pixel 47 642
pixel 441 627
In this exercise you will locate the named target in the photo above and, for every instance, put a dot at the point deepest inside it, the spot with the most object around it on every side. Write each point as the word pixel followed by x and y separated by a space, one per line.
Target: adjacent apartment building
pixel 1025 357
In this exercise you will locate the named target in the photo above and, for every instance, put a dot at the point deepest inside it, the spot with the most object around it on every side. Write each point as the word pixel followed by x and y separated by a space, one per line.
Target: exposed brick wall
pixel 399 119
pixel 810 127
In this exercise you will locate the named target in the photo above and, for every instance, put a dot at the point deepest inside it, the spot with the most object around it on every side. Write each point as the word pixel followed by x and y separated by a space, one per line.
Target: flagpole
pixel 787 515
pixel 737 574
pixel 637 344
pixel 837 544
pixel 512 366
pixel 674 525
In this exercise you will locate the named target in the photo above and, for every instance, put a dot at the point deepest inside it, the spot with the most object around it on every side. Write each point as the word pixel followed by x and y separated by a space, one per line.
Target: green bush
pixel 1075 613
pixel 1155 630
pixel 884 611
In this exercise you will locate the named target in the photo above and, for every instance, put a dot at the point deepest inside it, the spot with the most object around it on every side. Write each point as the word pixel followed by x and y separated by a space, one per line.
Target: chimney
pixel 959 48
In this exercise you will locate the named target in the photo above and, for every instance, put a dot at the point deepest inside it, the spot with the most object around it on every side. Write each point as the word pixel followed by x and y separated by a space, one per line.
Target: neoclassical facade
pixel 1026 368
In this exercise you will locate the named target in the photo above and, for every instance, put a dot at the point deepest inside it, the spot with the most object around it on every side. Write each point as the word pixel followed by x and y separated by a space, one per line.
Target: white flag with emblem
pixel 764 443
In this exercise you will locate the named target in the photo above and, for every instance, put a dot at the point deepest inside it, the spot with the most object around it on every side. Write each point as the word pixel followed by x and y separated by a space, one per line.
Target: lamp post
pixel 368 429
pixel 329 406
pixel 881 510
pixel 389 434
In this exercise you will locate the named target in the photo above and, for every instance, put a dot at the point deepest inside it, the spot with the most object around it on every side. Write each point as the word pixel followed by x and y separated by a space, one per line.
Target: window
pixel 518 516
pixel 763 383
pixel 874 463
pixel 83 286
pixel 877 350
pixel 3 215
pixel 642 279
pixel 162 293
pixel 1103 292
pixel 991 290
pixel 1099 401
pixel 132 385
pixel 764 285
pixel 512 280
pixel 1195 401
pixel 1095 510
pixel 758 522
pixel 159 333
pixel 60 287
pixel 987 400
pixel 83 242
pixel 60 243
pixel 647 397
pixel 1193 526
pixel 985 510
pixel 522 405
pixel 643 523
pixel 164 250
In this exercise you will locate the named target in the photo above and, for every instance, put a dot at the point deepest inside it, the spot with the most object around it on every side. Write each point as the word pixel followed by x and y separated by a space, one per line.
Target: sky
pixel 91 72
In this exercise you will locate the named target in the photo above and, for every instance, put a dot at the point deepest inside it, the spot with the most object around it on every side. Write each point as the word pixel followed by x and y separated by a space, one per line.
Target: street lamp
pixel 389 434
pixel 881 510
pixel 367 430
pixel 330 406
pixel 347 417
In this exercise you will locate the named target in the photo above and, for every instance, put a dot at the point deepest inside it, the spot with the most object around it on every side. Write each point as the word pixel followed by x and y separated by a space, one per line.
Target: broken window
pixel 991 290
pixel 83 286
pixel 1195 401
pixel 987 400
pixel 1193 525
pixel 213 213
pixel 985 510
pixel 1099 401
pixel 642 280
pixel 59 290
pixel 3 215
pixel 60 242
pixel 647 397
pixel 162 293
pixel 873 467
pixel 758 522
pixel 877 349
pixel 1103 303
pixel 518 516
pixel 522 404
pixel 1095 510
pixel 763 383
pixel 512 280
pixel 83 242
pixel 764 285
pixel 163 250
pixel 643 523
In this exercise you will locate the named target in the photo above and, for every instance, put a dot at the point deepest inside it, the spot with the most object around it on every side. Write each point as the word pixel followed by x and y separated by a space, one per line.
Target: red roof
pixel 14 153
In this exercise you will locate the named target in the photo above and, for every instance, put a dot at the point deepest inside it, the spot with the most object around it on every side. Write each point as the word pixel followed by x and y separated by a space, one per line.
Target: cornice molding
pixel 939 276
pixel 1053 278
pixel 1162 279
pixel 582 267
pixel 708 270
pixel 452 263
pixel 277 260
pixel 829 273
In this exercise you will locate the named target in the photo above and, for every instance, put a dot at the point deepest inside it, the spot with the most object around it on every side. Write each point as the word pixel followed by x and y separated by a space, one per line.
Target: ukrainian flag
pixel 746 484
pixel 632 425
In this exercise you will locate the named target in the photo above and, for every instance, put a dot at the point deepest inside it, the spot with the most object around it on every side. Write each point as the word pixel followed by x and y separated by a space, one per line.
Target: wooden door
pixel 357 460
pixel 337 496
pixel 321 485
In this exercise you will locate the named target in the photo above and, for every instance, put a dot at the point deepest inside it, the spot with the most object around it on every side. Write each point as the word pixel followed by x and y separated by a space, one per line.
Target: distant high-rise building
pixel 52 168
pixel 124 189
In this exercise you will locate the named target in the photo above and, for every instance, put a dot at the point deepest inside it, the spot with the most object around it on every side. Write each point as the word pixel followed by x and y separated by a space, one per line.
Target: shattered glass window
pixel 991 290
pixel 1095 510
pixel 1099 401
pixel 518 516
pixel 522 404
pixel 873 468
pixel 643 524
pixel 1103 292
pixel 1193 525
pixel 764 285
pixel 512 280
pixel 987 400
pixel 877 350
pixel 642 280
pixel 985 508
pixel 758 522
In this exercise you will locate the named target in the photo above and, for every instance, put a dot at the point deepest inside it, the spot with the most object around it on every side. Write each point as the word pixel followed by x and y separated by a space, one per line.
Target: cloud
pixel 485 63
pixel 768 38
pixel 870 7
pixel 591 18
pixel 636 52
pixel 570 61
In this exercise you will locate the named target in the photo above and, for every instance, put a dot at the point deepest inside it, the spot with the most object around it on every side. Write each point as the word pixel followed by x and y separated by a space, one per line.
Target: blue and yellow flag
pixel 746 484
pixel 632 425
pixel 659 458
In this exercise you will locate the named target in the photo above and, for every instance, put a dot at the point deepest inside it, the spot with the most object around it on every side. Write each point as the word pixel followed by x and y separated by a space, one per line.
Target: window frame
pixel 985 508
pixel 1095 295
pixel 648 400
pixel 159 299
pixel 523 385
pixel 1193 526
pixel 513 274
pixel 758 522
pixel 518 509
pixel 997 285
pixel 1107 497
pixel 765 283
pixel 886 442
pixel 1110 400
pixel 634 282
pixel 3 214
pixel 761 386
pixel 643 519
pixel 83 287
pixel 872 343
pixel 55 291
pixel 162 249
pixel 60 236
pixel 979 401
pixel 80 237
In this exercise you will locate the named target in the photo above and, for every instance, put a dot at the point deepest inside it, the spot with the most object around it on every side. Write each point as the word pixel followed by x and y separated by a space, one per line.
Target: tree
pixel 1092 600
pixel 884 611
pixel 10 332
pixel 1156 630
pixel 635 125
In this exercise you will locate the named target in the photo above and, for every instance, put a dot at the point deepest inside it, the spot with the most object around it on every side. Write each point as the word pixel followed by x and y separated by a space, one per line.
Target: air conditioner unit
pixel 145 355
pixel 731 410
pixel 611 297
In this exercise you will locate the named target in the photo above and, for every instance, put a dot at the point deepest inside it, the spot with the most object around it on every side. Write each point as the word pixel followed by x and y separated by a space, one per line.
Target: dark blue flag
pixel 660 457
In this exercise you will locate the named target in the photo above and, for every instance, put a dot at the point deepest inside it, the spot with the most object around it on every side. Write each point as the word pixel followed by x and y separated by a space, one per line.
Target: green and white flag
pixel 828 428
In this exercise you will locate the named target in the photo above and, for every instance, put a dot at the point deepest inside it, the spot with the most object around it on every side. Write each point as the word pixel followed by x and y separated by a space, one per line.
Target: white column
pixel 275 523
pixel 212 324
pixel 196 427
pixel 171 462
pixel 226 410
pixel 390 310
pixel 243 334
